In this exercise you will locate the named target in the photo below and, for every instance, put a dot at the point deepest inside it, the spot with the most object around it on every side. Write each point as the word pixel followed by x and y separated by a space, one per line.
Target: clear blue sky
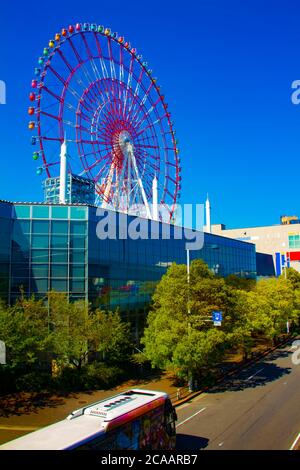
pixel 225 68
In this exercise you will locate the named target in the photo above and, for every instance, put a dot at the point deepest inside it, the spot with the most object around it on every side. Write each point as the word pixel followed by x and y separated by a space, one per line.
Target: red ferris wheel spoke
pixel 111 61
pixel 89 53
pixel 56 139
pixel 102 63
pixel 59 98
pixel 57 75
pixel 96 163
pixel 64 59
pixel 79 59
pixel 52 116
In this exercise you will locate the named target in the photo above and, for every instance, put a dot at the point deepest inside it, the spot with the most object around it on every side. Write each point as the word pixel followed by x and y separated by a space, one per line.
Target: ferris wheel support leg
pixel 63 173
pixel 128 184
pixel 108 186
pixel 154 199
pixel 140 183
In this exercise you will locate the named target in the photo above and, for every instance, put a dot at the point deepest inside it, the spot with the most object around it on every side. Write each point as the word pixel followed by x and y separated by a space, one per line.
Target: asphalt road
pixel 257 409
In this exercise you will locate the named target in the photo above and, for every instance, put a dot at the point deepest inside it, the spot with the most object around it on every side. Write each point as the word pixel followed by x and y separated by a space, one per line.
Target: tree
pixel 240 283
pixel 270 305
pixel 78 332
pixel 110 336
pixel 293 276
pixel 179 333
pixel 70 328
pixel 24 328
pixel 199 351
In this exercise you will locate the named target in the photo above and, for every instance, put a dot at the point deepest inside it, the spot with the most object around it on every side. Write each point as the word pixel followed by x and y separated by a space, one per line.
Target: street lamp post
pixel 190 373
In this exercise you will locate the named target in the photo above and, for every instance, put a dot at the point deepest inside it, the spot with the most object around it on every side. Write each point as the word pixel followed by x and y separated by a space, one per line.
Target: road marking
pixel 251 376
pixel 187 419
pixel 295 442
pixel 8 427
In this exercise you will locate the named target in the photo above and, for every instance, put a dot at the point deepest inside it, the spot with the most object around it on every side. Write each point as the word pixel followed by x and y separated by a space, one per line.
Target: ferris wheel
pixel 95 93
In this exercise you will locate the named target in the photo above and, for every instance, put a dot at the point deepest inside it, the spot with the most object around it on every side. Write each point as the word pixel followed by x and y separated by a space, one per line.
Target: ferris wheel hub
pixel 125 141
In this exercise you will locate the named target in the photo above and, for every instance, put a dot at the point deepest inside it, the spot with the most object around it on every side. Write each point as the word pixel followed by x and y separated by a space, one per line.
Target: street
pixel 256 409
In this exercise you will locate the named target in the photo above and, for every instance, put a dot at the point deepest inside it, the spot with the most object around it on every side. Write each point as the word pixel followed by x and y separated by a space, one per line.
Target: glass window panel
pixel 59 270
pixel 22 212
pixel 59 212
pixel 20 270
pixel 60 285
pixel 40 212
pixel 18 255
pixel 78 228
pixel 4 268
pixel 40 241
pixel 39 270
pixel 21 226
pixel 77 271
pixel 59 226
pixel 21 241
pixel 17 283
pixel 59 241
pixel 77 242
pixel 76 297
pixel 39 256
pixel 40 226
pixel 39 285
pixel 78 212
pixel 77 256
pixel 59 256
pixel 77 285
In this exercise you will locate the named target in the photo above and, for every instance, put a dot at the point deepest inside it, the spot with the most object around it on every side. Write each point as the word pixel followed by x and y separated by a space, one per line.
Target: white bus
pixel 136 419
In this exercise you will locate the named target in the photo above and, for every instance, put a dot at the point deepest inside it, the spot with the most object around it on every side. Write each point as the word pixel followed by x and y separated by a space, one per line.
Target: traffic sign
pixel 217 316
pixel 217 323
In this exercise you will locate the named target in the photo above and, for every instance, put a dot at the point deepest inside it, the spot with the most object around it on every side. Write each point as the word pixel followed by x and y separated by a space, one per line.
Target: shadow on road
pixel 258 376
pixel 25 403
pixel 186 441
pixel 278 354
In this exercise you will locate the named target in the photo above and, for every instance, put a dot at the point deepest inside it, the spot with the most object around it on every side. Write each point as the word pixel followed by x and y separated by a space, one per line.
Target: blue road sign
pixel 217 316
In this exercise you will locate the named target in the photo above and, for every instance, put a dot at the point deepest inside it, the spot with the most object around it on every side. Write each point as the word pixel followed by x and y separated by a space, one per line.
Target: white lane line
pixel 251 376
pixel 295 442
pixel 187 419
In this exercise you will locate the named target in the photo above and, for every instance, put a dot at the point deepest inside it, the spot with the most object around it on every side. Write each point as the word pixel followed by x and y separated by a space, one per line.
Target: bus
pixel 135 420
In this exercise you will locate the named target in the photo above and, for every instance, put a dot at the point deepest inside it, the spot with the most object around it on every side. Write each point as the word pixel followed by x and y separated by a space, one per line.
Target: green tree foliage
pixel 268 308
pixel 78 332
pixel 24 328
pixel 240 283
pixel 180 334
pixel 293 276
pixel 36 332
pixel 110 336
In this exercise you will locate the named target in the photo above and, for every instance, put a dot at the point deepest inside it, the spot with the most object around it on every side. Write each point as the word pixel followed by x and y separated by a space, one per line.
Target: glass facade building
pixel 48 246
pixel 78 190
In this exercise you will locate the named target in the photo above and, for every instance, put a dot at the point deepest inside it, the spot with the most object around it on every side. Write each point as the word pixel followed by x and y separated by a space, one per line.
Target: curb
pixel 232 372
